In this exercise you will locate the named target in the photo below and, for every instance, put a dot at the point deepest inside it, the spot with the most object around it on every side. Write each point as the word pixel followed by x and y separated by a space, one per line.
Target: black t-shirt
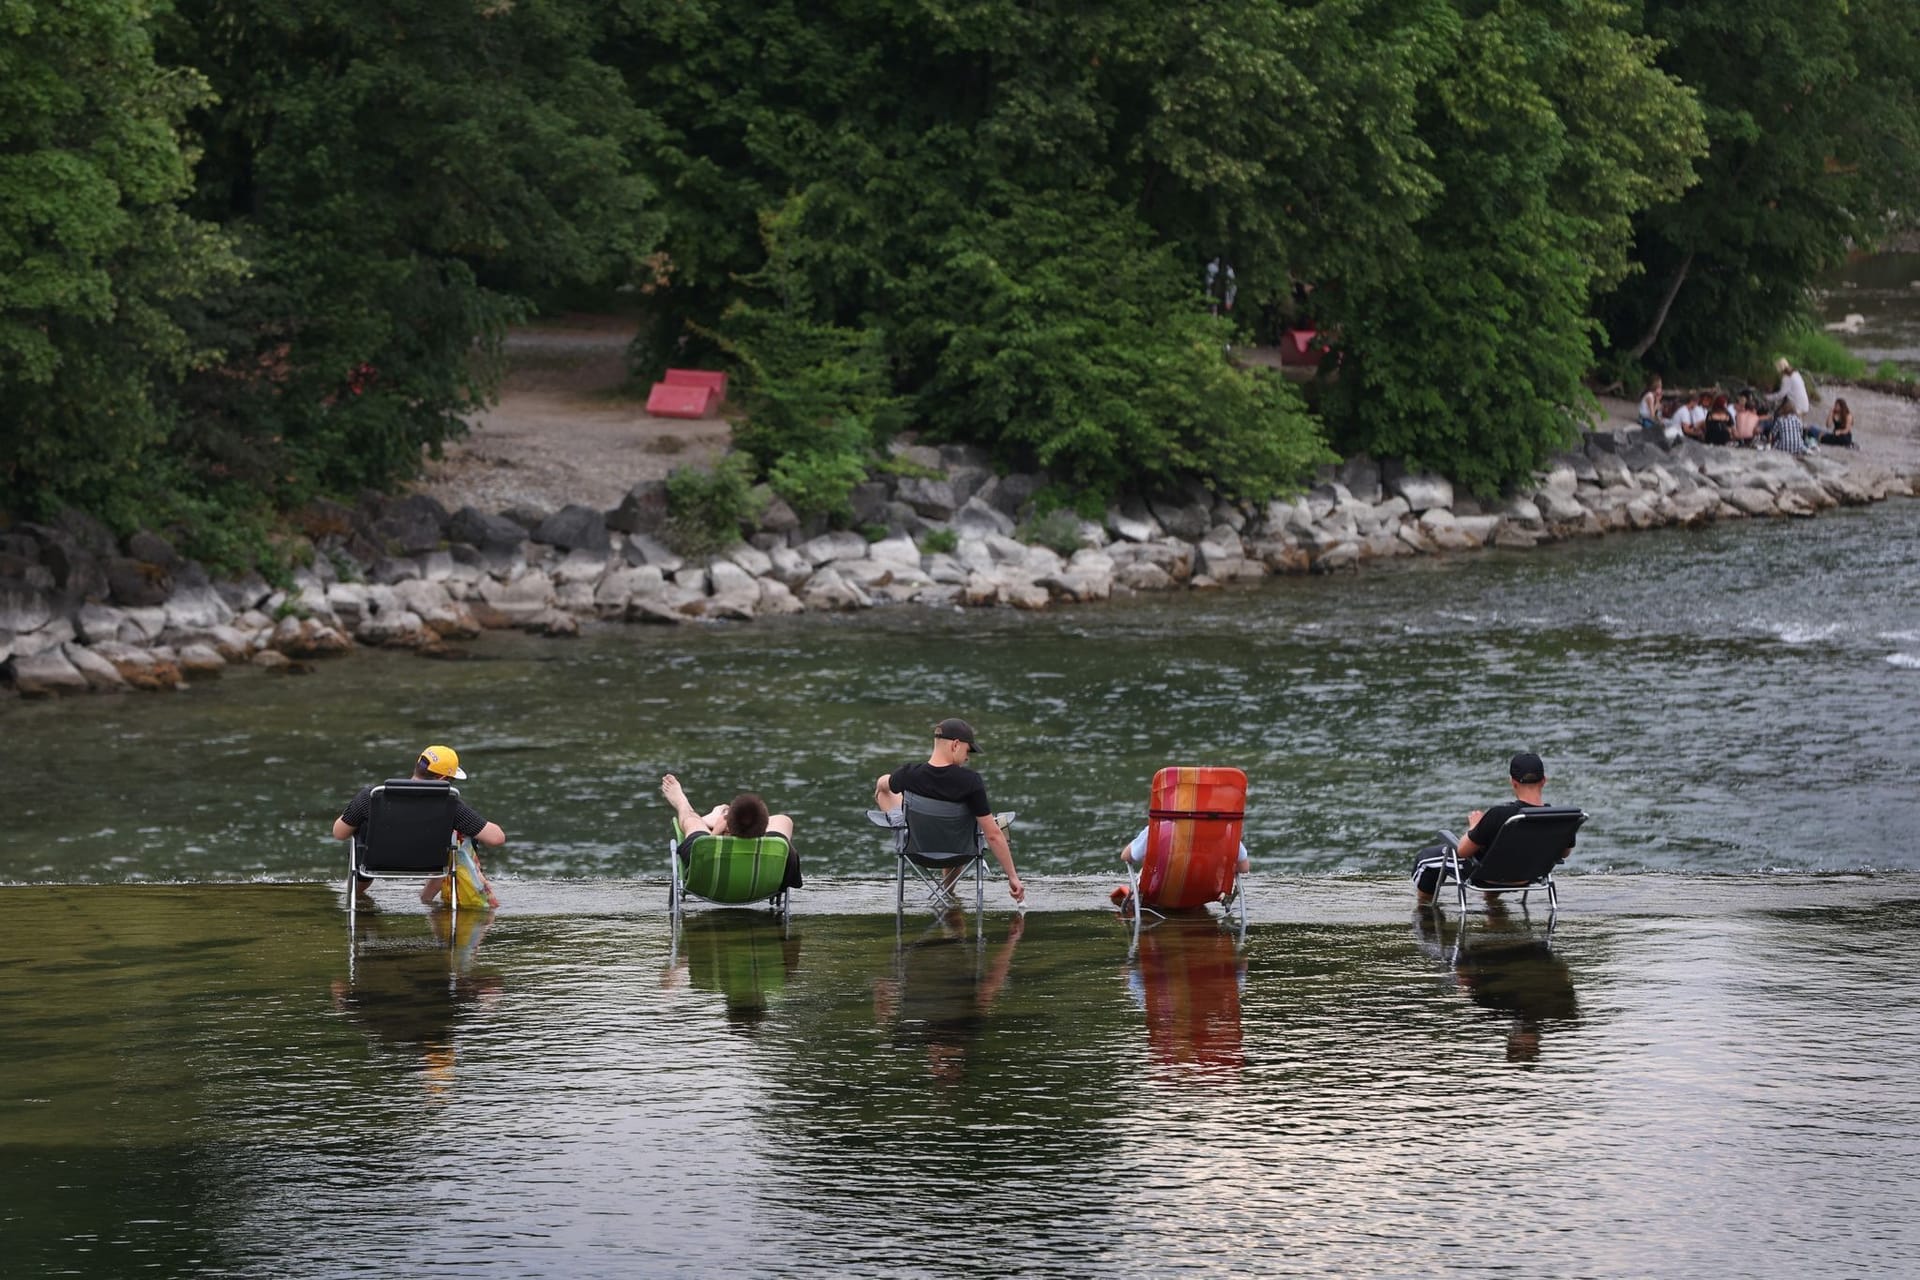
pixel 1495 818
pixel 466 820
pixel 943 782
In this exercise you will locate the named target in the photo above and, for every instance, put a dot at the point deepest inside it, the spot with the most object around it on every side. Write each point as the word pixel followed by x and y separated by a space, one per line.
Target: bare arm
pixel 884 796
pixel 341 831
pixel 1003 854
pixel 1467 848
pixel 491 834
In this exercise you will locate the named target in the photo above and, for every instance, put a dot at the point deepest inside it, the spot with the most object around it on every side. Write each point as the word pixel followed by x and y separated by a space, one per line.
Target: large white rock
pixel 827 590
pixel 1422 491
pixel 46 675
pixel 580 565
pixel 777 599
pixel 830 547
pixel 896 550
pixel 753 560
pixel 94 669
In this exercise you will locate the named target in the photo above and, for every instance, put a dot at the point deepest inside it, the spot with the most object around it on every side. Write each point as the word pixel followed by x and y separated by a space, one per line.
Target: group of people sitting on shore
pixel 1776 420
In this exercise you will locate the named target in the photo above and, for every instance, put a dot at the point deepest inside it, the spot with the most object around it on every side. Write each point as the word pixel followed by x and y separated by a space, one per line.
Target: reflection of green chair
pixel 744 957
pixel 729 870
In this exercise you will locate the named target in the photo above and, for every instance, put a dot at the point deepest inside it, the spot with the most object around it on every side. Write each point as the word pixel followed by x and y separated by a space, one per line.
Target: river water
pixel 1708 1065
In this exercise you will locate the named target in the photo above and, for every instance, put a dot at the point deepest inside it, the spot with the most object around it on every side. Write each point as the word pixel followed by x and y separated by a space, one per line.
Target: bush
pixel 1057 530
pixel 1817 351
pixel 940 541
pixel 706 510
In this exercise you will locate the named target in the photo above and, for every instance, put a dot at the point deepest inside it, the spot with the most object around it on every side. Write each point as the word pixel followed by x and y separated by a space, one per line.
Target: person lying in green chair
pixel 746 816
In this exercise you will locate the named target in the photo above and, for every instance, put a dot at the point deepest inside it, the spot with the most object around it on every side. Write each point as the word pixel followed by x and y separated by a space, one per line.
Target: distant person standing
pixel 435 764
pixel 1792 393
pixel 945 776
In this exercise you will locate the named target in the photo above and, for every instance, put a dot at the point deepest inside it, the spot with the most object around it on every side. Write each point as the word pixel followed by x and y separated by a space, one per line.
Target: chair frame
pixel 678 872
pixel 1235 903
pixel 909 853
pixel 1482 877
pixel 360 847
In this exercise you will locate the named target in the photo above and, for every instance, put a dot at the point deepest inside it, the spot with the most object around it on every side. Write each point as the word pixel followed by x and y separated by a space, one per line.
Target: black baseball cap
pixel 957 730
pixel 1527 767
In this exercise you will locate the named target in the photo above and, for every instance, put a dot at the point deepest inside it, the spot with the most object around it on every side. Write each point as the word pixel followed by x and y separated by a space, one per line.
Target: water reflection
pixel 411 979
pixel 943 985
pixel 745 957
pixel 1186 978
pixel 1507 964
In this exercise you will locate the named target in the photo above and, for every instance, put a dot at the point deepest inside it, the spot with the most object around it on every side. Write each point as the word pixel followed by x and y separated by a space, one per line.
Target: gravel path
pixel 568 427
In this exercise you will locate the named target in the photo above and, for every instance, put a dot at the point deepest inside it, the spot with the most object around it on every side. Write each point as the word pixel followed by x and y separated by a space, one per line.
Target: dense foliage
pixel 251 252
pixel 1813 115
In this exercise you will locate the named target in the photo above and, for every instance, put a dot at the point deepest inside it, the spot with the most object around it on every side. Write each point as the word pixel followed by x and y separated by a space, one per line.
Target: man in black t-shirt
pixel 439 764
pixel 945 776
pixel 1528 774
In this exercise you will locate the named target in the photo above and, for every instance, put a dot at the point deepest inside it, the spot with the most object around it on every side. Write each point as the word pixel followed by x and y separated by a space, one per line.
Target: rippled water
pixel 1681 1078
pixel 1884 291
pixel 1740 698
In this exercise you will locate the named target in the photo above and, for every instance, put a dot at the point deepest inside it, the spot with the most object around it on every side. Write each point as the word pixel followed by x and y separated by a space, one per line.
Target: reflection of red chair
pixel 1194 825
pixel 1189 973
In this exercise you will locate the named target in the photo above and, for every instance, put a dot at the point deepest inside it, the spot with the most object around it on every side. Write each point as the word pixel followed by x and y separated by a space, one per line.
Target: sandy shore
pixel 569 427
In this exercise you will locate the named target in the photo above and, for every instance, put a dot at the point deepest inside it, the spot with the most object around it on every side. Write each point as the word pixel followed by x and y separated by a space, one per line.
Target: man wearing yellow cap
pixel 442 764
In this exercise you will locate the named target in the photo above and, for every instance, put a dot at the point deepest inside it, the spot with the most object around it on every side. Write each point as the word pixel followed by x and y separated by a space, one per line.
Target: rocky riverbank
pixel 81 612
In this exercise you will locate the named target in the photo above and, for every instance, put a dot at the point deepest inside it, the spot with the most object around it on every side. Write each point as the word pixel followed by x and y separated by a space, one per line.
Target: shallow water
pixel 1740 698
pixel 1681 1078
pixel 1884 291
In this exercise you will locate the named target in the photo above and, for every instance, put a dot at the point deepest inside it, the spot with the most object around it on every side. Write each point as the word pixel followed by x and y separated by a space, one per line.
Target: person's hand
pixel 1473 819
pixel 1017 888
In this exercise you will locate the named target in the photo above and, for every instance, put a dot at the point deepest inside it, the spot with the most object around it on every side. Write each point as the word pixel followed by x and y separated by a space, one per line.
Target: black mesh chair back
pixel 1528 847
pixel 409 831
pixel 940 833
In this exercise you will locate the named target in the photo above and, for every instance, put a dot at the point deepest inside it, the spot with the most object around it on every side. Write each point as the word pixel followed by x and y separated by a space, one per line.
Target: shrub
pixel 706 510
pixel 1058 530
pixel 940 541
pixel 1817 351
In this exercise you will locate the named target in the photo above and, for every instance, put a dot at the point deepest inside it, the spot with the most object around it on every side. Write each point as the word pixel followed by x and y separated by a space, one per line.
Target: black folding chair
pixel 408 836
pixel 934 837
pixel 1523 855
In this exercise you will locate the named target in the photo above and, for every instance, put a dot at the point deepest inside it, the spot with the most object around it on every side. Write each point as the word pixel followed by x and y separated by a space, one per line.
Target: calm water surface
pixel 1712 1069
pixel 1682 1078
pixel 1736 699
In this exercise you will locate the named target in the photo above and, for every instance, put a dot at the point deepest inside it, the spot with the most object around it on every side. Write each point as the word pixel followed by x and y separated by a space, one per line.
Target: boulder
pixel 756 562
pixel 826 590
pixel 96 670
pixel 1010 494
pixel 977 519
pixel 1422 490
pixel 643 548
pixel 829 547
pixel 776 516
pixel 643 510
pixel 1023 594
pixel 934 499
pixel 729 579
pixel 1362 477
pixel 197 609
pixel 142 668
pixel 1751 500
pixel 574 528
pixel 580 566
pixel 1342 555
pixel 488 532
pixel 789 566
pixel 23 608
pixel 137 583
pixel 1188 520
pixel 56 632
pixel 410 525
pixel 1132 521
pixel 868 501
pixel 776 599
pixel 144 544
pixel 200 659
pixel 47 675
pixel 1143 575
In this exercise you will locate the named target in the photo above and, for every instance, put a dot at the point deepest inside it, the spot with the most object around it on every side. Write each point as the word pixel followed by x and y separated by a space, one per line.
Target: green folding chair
pixel 731 871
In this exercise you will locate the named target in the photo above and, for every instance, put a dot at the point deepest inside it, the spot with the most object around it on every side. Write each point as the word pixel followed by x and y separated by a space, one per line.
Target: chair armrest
pixel 887 817
pixel 1449 839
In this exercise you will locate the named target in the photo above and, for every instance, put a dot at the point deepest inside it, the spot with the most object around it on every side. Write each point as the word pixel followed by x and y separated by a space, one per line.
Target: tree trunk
pixel 1640 348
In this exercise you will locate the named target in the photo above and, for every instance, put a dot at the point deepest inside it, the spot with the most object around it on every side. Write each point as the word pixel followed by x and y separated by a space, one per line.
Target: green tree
pixel 1463 346
pixel 97 261
pixel 400 174
pixel 1813 115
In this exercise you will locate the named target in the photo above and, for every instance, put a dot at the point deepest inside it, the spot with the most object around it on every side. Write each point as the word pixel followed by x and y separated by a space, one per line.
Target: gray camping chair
pixel 1523 856
pixel 408 836
pixel 933 837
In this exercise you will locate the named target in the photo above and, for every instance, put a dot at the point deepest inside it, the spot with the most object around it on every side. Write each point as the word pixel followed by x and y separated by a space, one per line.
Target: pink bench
pixel 669 401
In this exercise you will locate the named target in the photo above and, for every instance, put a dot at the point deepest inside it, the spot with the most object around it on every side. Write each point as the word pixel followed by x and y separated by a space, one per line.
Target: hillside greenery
pixel 253 253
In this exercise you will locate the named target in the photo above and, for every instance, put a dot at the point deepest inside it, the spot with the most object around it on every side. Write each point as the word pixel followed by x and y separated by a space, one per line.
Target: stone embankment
pixel 81 612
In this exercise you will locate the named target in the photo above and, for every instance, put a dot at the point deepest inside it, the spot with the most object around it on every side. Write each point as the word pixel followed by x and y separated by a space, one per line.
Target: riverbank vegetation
pixel 252 254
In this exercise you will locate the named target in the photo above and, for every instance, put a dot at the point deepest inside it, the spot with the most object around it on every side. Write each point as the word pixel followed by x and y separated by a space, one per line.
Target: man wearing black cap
pixel 1528 774
pixel 945 776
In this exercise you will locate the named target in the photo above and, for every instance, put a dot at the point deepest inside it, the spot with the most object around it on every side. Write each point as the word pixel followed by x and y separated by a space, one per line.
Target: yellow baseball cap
pixel 442 762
